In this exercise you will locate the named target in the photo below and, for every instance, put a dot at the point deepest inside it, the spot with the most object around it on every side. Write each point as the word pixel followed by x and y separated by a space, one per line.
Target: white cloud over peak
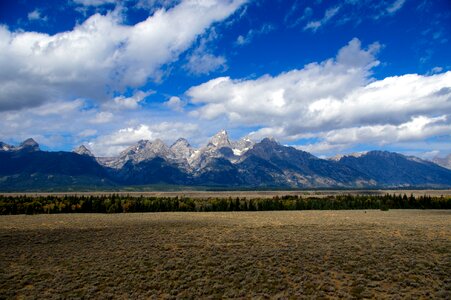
pixel 100 55
pixel 112 144
pixel 336 101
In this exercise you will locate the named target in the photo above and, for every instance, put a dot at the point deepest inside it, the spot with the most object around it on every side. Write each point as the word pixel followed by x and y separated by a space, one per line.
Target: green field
pixel 292 254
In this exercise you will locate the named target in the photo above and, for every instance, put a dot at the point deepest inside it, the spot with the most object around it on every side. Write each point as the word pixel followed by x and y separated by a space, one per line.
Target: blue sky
pixel 327 77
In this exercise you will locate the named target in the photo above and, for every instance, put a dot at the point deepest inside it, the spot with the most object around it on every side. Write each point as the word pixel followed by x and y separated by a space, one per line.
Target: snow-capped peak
pixel 242 145
pixel 220 139
pixel 182 149
pixel 5 147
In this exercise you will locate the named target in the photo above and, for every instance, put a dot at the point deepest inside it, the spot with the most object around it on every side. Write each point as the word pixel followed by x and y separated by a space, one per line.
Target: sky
pixel 328 77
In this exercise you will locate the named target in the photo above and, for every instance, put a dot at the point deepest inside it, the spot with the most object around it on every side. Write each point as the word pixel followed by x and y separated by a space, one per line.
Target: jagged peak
pixel 222 132
pixel 338 157
pixel 5 147
pixel 242 145
pixel 181 142
pixel 82 150
pixel 220 139
pixel 29 144
pixel 269 140
pixel 143 143
pixel 383 153
pixel 158 142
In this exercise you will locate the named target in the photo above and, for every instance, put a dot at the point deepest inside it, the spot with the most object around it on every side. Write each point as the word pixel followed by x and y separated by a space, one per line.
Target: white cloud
pixel 36 15
pixel 175 103
pixel 94 2
pixel 87 133
pixel 112 144
pixel 419 128
pixel 205 63
pixel 328 15
pixel 435 70
pixel 395 6
pixel 151 4
pixel 101 55
pixel 65 126
pixel 335 101
pixel 268 100
pixel 251 34
pixel 102 117
pixel 122 102
pixel 202 60
pixel 58 108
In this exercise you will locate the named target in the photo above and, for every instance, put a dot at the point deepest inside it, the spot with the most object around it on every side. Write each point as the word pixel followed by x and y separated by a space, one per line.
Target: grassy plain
pixel 282 255
pixel 263 194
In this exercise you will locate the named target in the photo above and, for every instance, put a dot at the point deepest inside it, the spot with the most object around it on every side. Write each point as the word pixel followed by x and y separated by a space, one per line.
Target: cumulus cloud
pixel 336 101
pixel 267 100
pixel 175 103
pixel 132 102
pixel 66 125
pixel 101 55
pixel 419 128
pixel 112 144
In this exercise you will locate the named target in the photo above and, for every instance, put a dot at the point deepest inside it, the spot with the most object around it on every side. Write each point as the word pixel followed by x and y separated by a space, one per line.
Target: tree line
pixel 114 203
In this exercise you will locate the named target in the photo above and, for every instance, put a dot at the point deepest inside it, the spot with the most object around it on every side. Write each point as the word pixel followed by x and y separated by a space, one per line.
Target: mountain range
pixel 221 163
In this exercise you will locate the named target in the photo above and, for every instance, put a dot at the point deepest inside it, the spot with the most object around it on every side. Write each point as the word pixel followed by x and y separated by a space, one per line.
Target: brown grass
pixel 320 254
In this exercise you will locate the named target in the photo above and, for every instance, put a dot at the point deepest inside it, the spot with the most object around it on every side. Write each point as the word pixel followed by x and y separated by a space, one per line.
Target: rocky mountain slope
pixel 443 161
pixel 221 162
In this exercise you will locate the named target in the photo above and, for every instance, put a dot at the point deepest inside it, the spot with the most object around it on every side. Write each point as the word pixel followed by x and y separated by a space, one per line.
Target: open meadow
pixel 293 254
pixel 263 194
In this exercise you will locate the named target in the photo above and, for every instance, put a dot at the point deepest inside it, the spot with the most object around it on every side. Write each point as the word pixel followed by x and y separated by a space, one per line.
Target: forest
pixel 114 203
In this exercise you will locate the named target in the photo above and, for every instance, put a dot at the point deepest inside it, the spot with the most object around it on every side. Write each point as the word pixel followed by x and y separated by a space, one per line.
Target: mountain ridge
pixel 221 162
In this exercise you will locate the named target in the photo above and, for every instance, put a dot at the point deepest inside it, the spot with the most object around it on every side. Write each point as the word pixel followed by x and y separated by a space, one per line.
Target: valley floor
pixel 263 194
pixel 359 254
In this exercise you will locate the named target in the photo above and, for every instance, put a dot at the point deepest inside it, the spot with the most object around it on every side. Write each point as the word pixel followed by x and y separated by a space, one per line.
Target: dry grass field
pixel 244 194
pixel 280 255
